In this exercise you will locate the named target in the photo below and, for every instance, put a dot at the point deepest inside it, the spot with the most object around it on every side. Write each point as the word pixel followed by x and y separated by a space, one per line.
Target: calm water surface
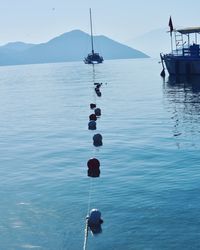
pixel 148 191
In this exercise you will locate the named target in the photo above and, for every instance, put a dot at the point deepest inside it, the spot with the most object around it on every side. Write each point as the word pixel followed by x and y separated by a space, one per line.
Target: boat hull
pixel 93 58
pixel 182 65
pixel 92 62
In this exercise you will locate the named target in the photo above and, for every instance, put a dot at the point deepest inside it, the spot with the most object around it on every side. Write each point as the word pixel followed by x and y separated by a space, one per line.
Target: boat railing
pixel 191 51
pixel 91 54
pixel 177 52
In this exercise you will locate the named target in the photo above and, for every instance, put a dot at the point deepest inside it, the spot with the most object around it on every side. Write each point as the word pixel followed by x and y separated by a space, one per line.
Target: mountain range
pixel 70 46
pixel 153 42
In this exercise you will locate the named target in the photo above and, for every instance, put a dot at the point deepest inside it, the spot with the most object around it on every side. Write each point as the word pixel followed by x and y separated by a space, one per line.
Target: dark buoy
pixel 163 70
pixel 97 140
pixel 97 112
pixel 92 105
pixel 97 88
pixel 95 221
pixel 93 167
pixel 162 73
pixel 98 85
pixel 98 93
pixel 92 117
pixel 92 125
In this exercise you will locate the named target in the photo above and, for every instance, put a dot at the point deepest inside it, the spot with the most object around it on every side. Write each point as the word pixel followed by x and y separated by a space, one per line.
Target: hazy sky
pixel 40 20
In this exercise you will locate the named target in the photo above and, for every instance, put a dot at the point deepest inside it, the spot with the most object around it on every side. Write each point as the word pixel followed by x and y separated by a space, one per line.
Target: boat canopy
pixel 189 30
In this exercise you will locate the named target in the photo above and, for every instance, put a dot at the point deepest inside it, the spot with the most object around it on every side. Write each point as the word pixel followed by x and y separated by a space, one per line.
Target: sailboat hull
pixel 94 58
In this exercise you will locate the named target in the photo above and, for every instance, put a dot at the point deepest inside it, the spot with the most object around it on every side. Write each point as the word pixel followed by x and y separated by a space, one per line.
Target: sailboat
pixel 93 57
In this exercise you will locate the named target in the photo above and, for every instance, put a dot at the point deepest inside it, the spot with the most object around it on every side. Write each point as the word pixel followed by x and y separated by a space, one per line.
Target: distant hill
pixel 153 42
pixel 70 46
pixel 17 46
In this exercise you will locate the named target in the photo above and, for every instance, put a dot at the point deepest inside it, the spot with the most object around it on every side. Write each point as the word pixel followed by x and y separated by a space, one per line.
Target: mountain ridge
pixel 152 42
pixel 69 46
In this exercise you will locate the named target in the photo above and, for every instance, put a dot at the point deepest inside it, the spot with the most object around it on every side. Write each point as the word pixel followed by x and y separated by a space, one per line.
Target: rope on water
pixel 88 209
pixel 86 235
pixel 89 196
pixel 91 183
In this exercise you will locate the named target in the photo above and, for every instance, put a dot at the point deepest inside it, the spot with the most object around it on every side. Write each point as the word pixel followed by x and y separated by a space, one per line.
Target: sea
pixel 148 191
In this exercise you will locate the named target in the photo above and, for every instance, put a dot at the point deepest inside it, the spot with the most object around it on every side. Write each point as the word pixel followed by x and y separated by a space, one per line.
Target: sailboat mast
pixel 91 32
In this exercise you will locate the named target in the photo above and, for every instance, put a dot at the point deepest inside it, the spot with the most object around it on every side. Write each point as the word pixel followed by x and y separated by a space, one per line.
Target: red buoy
pixel 93 167
pixel 93 117
pixel 93 163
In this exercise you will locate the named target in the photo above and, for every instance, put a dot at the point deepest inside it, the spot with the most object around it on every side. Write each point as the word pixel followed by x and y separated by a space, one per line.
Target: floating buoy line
pixel 93 219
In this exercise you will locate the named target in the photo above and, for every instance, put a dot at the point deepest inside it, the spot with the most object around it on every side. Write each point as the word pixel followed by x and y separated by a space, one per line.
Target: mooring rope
pixel 89 196
pixel 91 179
pixel 88 209
pixel 86 235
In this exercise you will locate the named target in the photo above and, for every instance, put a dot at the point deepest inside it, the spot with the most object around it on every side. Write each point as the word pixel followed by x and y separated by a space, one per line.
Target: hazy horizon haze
pixel 37 22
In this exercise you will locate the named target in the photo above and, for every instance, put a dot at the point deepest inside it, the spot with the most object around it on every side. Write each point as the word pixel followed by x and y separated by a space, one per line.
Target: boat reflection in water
pixel 187 83
pixel 182 96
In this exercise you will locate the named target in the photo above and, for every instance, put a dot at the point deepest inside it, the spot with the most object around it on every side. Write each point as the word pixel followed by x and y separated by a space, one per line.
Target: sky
pixel 37 21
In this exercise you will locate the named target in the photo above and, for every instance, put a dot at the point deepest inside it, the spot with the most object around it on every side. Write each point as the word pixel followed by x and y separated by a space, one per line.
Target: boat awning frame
pixel 189 30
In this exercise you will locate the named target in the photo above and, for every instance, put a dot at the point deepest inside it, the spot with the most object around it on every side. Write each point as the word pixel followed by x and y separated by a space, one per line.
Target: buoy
pixel 92 105
pixel 93 163
pixel 98 93
pixel 93 167
pixel 91 125
pixel 97 89
pixel 98 85
pixel 92 117
pixel 97 112
pixel 97 140
pixel 95 221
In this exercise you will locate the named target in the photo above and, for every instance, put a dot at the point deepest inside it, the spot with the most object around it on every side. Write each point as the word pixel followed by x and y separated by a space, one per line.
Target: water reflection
pixel 182 96
pixel 190 83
